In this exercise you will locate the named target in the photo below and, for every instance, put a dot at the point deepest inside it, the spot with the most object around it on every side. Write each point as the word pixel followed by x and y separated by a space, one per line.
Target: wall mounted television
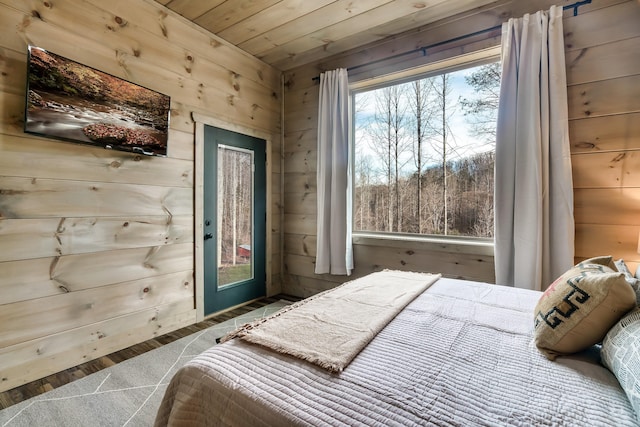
pixel 73 102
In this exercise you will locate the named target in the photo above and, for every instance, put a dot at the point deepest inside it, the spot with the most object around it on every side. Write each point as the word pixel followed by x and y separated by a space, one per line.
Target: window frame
pixel 447 243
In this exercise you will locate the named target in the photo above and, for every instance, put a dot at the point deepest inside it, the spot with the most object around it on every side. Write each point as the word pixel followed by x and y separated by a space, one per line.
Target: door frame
pixel 200 122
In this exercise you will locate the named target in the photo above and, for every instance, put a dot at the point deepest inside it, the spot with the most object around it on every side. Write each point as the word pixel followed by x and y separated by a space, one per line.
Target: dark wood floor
pixel 27 391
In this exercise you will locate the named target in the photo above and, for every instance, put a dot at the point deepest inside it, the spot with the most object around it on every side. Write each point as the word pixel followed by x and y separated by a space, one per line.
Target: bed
pixel 460 354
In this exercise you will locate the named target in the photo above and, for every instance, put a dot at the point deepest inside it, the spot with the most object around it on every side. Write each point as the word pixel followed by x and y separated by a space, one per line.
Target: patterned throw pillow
pixel 621 354
pixel 580 307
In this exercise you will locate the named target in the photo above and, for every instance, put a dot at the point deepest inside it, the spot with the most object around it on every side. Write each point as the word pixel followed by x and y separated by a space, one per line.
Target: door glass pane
pixel 235 215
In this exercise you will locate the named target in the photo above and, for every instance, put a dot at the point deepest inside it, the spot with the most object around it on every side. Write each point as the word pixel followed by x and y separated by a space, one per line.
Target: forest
pixel 425 153
pixel 235 219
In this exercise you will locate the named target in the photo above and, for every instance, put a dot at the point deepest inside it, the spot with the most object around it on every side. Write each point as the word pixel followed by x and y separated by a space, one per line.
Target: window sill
pixel 450 244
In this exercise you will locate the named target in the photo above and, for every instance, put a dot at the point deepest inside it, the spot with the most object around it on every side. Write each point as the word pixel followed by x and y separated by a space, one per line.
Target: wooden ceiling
pixel 290 33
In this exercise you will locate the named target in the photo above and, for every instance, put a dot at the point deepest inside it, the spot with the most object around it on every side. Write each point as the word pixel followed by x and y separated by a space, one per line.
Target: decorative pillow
pixel 633 281
pixel 580 307
pixel 621 354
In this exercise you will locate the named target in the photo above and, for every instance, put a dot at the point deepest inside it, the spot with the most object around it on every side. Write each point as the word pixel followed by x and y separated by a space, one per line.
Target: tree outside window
pixel 424 154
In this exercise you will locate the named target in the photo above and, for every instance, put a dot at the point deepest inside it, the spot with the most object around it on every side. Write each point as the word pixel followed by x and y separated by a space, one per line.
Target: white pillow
pixel 621 354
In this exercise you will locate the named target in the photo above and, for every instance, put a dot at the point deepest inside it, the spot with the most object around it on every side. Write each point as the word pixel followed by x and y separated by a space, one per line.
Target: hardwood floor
pixel 29 390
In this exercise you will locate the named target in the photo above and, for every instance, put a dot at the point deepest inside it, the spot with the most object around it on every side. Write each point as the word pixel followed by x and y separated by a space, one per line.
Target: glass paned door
pixel 234 219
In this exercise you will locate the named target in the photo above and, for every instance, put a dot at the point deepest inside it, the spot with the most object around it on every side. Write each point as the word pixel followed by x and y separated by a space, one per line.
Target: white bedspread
pixel 461 354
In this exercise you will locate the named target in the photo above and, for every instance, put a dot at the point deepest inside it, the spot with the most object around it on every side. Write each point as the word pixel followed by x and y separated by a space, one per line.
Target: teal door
pixel 234 219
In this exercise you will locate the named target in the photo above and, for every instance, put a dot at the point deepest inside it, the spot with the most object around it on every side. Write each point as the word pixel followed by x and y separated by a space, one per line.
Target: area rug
pixel 126 394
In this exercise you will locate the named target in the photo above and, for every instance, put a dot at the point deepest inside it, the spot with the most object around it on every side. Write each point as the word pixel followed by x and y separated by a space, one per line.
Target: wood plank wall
pixel 97 246
pixel 602 54
pixel 603 75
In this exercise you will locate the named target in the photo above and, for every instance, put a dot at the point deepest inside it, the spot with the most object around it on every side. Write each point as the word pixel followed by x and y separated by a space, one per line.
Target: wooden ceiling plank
pixel 300 29
pixel 269 29
pixel 231 12
pixel 346 28
pixel 270 18
pixel 391 39
pixel 405 35
pixel 191 9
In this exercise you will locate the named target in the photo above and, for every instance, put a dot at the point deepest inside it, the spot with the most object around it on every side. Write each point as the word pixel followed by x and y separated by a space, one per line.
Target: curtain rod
pixel 423 49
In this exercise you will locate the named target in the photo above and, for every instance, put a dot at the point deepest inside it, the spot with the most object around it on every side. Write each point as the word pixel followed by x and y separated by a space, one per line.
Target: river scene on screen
pixel 71 101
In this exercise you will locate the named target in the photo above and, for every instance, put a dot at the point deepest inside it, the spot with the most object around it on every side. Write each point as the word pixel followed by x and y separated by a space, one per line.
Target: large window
pixel 424 154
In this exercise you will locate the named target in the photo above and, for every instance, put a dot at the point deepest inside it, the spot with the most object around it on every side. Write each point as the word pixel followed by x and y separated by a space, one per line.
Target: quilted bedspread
pixel 460 354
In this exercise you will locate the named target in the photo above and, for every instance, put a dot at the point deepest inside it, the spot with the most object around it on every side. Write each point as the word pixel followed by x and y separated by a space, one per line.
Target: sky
pixel 460 129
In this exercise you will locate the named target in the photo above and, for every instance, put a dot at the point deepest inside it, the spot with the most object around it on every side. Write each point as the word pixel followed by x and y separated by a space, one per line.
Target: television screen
pixel 73 102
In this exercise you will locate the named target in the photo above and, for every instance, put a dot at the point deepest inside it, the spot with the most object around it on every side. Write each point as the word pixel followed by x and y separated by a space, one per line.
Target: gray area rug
pixel 127 394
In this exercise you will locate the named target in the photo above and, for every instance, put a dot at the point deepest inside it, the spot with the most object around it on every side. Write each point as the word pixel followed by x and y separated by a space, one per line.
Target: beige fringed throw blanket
pixel 331 328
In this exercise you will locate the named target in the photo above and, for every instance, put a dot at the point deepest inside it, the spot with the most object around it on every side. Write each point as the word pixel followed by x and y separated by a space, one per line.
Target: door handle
pixel 208 236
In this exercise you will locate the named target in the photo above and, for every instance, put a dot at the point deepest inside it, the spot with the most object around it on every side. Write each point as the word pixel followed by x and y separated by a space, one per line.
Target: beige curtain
pixel 334 248
pixel 534 225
